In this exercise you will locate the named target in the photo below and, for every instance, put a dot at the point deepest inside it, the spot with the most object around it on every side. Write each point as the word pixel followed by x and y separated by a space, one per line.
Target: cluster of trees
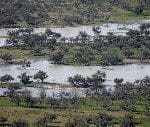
pixel 43 121
pixel 84 49
pixel 138 7
pixel 106 50
pixel 127 95
pixel 22 13
pixel 27 39
pixel 101 120
pixel 130 93
pixel 24 78
pixel 95 81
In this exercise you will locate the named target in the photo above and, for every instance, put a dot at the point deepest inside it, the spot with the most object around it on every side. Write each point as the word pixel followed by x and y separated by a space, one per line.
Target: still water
pixel 60 74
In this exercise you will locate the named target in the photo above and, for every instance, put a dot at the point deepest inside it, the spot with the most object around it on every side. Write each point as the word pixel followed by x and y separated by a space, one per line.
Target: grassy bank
pixel 86 109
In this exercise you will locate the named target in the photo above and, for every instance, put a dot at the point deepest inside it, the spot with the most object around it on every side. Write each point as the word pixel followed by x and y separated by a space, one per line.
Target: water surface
pixel 60 73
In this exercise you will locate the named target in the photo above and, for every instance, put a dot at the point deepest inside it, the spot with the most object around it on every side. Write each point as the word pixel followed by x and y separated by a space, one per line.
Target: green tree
pixel 40 75
pixel 20 123
pixel 6 57
pixel 104 120
pixel 24 78
pixel 3 121
pixel 44 120
pixel 6 78
pixel 128 121
pixel 28 99
pixel 77 122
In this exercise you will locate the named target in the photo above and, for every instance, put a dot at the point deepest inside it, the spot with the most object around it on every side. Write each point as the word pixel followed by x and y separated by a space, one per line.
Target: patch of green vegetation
pixel 87 108
pixel 121 15
pixel 72 13
pixel 5 102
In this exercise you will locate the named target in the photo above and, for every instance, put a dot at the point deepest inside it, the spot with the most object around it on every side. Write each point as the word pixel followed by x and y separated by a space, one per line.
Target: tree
pixel 78 81
pixel 6 57
pixel 12 90
pixel 20 123
pixel 118 81
pixel 42 96
pixel 96 31
pixel 29 100
pixel 14 86
pixel 138 9
pixel 83 36
pixel 147 108
pixel 77 122
pixel 144 28
pixel 24 78
pixel 96 81
pixel 6 78
pixel 57 57
pixel 40 75
pixel 44 120
pixel 38 51
pixel 128 106
pixel 49 32
pixel 16 98
pixel 128 121
pixel 3 121
pixel 103 120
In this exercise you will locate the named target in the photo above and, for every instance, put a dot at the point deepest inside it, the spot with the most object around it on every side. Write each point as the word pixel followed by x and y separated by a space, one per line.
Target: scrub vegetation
pixel 34 13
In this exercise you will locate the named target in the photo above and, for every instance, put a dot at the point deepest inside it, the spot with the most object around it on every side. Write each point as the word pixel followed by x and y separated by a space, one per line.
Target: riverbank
pixel 44 85
pixel 113 105
pixel 72 31
pixel 136 61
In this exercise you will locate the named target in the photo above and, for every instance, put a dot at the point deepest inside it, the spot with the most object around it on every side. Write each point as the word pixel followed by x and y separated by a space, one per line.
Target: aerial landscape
pixel 74 63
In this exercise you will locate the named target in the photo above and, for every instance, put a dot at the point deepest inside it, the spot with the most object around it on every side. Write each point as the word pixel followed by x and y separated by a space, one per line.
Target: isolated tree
pixel 38 51
pixel 6 78
pixel 49 32
pixel 24 78
pixel 42 96
pixel 20 123
pixel 83 37
pixel 118 81
pixel 28 99
pixel 40 75
pixel 96 81
pixel 77 122
pixel 57 57
pixel 96 31
pixel 3 121
pixel 16 98
pixel 14 86
pixel 138 9
pixel 6 57
pixel 44 120
pixel 104 120
pixel 128 121
pixel 26 63
pixel 128 106
pixel 145 28
pixel 78 81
